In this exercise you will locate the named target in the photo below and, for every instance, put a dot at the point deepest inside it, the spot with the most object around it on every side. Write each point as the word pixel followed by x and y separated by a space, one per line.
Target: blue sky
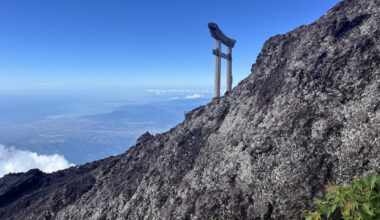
pixel 71 44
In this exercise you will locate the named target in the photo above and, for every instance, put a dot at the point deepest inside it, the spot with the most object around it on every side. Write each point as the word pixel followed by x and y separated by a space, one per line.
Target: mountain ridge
pixel 308 114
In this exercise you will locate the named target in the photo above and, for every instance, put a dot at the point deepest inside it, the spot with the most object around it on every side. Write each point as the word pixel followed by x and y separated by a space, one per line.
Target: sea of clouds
pixel 13 160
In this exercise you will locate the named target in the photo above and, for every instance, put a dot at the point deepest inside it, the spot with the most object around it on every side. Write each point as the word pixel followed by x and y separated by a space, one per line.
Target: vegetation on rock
pixel 359 200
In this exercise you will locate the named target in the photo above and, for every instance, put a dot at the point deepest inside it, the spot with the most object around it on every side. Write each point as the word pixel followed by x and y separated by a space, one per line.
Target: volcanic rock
pixel 308 114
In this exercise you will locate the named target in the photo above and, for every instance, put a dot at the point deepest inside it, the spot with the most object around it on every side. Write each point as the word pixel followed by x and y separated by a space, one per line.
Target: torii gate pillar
pixel 230 43
pixel 229 69
pixel 218 60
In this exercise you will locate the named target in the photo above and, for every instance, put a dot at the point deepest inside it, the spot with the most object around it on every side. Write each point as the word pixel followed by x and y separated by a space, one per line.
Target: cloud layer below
pixel 13 160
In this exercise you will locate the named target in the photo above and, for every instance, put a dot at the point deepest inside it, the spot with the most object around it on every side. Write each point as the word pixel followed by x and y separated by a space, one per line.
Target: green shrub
pixel 359 200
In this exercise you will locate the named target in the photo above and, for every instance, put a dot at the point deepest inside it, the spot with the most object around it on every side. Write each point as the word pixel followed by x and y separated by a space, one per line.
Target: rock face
pixel 309 113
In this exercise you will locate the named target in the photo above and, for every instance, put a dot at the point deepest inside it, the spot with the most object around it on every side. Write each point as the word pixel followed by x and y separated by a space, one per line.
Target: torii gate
pixel 220 38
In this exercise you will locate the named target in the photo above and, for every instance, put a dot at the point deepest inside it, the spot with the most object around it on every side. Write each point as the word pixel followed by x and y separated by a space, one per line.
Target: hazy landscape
pixel 83 128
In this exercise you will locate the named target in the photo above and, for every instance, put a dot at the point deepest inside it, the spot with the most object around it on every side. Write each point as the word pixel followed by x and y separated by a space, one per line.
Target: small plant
pixel 359 200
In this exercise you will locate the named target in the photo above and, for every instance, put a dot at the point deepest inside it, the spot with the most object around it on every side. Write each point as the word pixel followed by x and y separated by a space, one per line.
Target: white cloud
pixel 194 96
pixel 13 160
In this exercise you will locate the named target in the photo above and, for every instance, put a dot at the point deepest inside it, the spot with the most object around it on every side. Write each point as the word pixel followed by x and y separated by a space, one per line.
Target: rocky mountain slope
pixel 309 113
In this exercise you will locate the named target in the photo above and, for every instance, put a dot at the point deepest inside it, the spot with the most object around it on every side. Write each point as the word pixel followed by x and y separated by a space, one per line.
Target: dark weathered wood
pixel 219 35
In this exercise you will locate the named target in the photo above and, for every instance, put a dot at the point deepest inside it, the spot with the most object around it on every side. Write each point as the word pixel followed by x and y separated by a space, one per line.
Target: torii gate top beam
pixel 219 35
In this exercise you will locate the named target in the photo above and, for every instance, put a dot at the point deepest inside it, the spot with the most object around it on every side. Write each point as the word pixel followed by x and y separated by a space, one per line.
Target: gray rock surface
pixel 309 113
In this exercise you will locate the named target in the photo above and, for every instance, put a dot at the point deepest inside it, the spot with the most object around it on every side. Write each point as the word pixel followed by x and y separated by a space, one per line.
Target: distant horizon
pixel 105 92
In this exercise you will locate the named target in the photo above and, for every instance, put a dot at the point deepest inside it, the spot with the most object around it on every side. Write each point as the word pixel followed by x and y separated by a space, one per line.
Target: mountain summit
pixel 308 114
